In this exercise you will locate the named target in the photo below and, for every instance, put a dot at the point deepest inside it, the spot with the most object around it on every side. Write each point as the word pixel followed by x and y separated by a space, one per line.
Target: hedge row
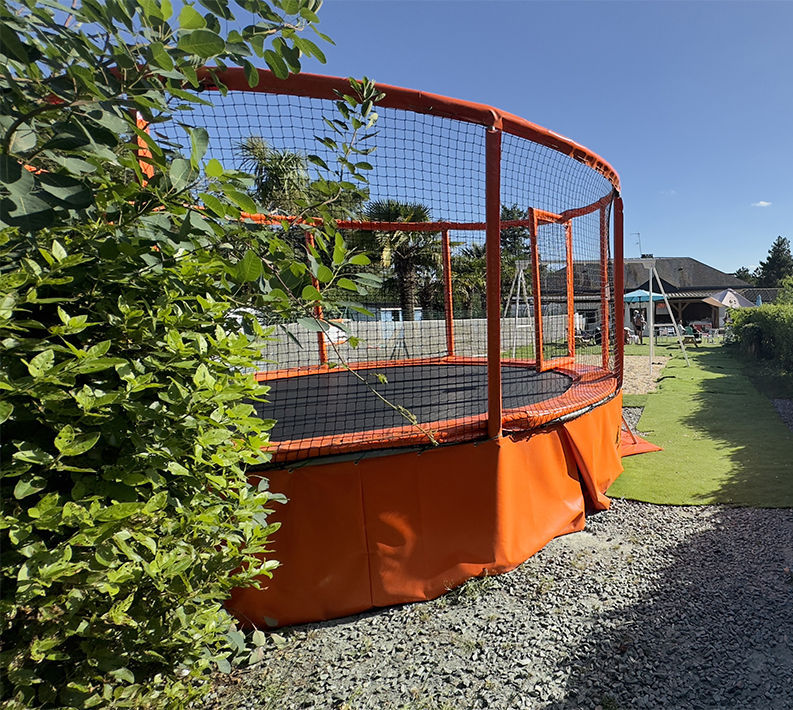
pixel 766 333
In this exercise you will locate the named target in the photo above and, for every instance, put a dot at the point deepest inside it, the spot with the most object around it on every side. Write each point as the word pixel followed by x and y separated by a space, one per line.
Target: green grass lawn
pixel 723 440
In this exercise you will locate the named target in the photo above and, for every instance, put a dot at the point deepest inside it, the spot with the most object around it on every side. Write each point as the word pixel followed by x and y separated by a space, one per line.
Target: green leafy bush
pixel 126 410
pixel 766 333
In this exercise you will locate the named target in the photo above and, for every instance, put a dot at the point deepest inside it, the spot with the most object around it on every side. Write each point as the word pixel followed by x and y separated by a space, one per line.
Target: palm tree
pixel 469 276
pixel 281 177
pixel 405 252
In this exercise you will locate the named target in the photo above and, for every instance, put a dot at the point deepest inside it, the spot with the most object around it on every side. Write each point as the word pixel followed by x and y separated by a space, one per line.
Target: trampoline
pixel 334 411
pixel 474 389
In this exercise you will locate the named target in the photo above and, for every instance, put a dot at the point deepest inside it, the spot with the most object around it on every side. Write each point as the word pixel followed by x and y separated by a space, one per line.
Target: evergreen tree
pixel 777 266
pixel 745 275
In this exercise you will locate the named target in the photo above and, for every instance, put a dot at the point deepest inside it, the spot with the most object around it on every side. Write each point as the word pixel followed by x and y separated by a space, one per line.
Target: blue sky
pixel 691 102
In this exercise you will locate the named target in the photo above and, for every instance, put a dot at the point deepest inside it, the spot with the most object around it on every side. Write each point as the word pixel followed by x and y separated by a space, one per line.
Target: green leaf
pixel 23 140
pixel 191 19
pixel 28 213
pixel 28 485
pixel 250 267
pixel 213 204
pixel 10 44
pixel 157 502
pixel 14 178
pixel 324 274
pixel 68 192
pixel 309 48
pixel 202 43
pixel 276 63
pixel 119 511
pixel 360 260
pixel 58 251
pixel 6 409
pixel 217 7
pixel 243 201
pixel 251 73
pixel 310 293
pixel 306 14
pixel 71 444
pixel 316 160
pixel 181 174
pixel 313 325
pixel 347 284
pixel 42 363
pixel 213 168
pixel 160 56
pixel 199 141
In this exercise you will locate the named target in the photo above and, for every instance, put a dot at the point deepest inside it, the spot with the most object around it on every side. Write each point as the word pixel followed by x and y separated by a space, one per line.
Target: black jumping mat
pixel 338 402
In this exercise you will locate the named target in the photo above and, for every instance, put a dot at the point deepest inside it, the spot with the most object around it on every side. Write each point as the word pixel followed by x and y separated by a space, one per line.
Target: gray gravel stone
pixel 650 607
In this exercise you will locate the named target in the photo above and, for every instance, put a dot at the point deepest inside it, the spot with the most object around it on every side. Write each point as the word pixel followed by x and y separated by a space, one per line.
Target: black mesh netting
pixel 423 344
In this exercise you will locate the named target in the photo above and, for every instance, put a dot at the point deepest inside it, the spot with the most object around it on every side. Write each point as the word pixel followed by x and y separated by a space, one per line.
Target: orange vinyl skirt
pixel 408 527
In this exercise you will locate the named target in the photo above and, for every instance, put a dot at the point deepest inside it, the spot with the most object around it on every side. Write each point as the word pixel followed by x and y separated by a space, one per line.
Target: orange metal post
pixel 447 291
pixel 493 254
pixel 568 233
pixel 605 296
pixel 143 151
pixel 535 280
pixel 619 286
pixel 321 339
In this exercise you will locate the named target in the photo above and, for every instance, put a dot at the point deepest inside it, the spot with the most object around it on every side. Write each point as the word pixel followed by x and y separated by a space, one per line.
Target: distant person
pixel 638 326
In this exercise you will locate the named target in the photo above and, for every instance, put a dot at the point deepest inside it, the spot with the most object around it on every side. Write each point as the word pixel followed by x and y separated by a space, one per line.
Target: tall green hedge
pixel 766 333
pixel 127 416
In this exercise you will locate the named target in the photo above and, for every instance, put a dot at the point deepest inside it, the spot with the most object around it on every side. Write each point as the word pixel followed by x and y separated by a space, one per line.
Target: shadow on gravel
pixel 715 630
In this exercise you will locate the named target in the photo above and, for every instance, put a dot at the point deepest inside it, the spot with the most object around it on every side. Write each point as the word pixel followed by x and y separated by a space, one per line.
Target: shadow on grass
pixel 710 629
pixel 723 441
pixel 730 414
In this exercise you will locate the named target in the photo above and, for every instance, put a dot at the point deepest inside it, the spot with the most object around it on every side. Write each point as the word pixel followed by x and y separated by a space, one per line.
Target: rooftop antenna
pixel 638 239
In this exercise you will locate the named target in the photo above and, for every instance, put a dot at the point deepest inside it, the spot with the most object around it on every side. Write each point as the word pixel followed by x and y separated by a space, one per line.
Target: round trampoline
pixel 341 410
pixel 492 325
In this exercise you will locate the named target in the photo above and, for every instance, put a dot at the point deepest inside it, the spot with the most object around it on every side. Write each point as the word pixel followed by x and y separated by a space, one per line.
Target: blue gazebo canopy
pixel 640 295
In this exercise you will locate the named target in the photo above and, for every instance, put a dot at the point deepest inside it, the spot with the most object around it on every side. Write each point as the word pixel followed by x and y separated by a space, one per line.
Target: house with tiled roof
pixel 687 282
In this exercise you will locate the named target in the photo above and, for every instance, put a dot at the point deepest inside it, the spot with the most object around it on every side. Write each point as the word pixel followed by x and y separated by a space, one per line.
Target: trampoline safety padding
pixel 409 527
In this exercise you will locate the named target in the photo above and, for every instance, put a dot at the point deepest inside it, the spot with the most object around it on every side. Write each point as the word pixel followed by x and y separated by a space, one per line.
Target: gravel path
pixel 650 607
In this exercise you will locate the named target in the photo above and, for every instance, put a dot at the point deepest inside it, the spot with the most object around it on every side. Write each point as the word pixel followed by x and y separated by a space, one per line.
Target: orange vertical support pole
pixel 448 303
pixel 619 286
pixel 536 288
pixel 143 151
pixel 605 295
pixel 321 339
pixel 493 257
pixel 568 233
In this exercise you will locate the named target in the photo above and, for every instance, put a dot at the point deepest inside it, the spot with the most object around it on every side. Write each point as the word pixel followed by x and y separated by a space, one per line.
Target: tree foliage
pixel 745 275
pixel 777 266
pixel 766 333
pixel 406 252
pixel 127 413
